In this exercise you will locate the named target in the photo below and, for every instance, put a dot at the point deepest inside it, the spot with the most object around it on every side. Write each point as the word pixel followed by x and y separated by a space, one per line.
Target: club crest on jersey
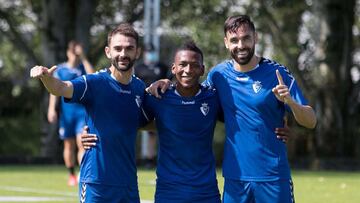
pixel 257 86
pixel 204 109
pixel 138 100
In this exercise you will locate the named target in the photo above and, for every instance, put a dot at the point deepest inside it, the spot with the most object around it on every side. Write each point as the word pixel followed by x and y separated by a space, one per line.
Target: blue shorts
pixel 71 125
pixel 236 191
pixel 175 193
pixel 97 193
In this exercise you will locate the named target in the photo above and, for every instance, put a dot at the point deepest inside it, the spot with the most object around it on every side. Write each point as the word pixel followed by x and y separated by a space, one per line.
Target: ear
pixel 256 38
pixel 173 69
pixel 225 42
pixel 107 52
pixel 138 52
pixel 202 70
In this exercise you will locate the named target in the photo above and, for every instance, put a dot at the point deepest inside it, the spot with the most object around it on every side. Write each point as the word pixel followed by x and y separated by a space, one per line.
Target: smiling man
pixel 255 92
pixel 112 101
pixel 185 119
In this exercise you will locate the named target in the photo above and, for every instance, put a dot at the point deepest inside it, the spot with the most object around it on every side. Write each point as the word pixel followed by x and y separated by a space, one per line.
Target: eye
pixel 130 48
pixel 234 40
pixel 182 64
pixel 117 48
pixel 195 65
pixel 247 39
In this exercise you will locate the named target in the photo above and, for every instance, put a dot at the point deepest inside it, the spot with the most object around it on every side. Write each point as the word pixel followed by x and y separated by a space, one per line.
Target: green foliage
pixel 22 136
pixel 20 121
pixel 203 22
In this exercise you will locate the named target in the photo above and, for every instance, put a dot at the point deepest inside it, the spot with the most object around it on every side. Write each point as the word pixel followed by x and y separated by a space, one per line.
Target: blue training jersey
pixel 251 112
pixel 185 127
pixel 114 111
pixel 65 73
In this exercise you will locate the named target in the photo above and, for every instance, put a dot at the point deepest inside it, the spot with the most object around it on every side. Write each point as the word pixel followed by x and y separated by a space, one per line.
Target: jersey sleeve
pixel 82 69
pixel 209 79
pixel 147 114
pixel 81 92
pixel 56 74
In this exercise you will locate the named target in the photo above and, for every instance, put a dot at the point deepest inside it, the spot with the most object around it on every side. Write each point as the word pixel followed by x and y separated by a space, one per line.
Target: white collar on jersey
pixel 177 93
pixel 113 77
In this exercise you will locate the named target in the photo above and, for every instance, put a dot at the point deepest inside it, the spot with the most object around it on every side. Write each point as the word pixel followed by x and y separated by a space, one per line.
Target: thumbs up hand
pixel 281 91
pixel 41 71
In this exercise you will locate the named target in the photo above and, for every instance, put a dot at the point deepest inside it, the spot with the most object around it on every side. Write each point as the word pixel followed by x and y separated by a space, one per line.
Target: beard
pixel 245 59
pixel 115 63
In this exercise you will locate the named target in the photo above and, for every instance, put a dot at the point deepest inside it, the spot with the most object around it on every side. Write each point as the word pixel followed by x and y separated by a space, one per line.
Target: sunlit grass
pixel 50 181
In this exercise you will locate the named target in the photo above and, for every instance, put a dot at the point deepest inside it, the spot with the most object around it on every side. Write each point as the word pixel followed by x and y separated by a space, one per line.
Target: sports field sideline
pixel 48 184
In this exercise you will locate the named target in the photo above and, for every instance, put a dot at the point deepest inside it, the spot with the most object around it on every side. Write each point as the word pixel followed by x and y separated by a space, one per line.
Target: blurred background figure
pixel 149 71
pixel 71 117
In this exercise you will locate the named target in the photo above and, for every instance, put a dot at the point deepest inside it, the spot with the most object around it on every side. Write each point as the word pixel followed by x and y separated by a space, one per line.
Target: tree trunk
pixel 333 39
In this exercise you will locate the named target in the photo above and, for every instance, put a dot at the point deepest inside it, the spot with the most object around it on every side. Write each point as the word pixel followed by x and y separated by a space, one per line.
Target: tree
pixel 331 63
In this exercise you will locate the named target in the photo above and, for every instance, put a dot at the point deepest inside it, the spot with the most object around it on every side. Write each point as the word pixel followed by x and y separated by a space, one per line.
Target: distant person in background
pixel 71 116
pixel 149 71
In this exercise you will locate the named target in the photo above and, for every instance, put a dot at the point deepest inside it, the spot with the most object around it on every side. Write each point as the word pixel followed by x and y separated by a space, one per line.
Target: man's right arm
pixel 52 84
pixel 153 89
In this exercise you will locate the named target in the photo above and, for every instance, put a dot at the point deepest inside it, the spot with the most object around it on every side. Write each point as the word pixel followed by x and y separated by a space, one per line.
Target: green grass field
pixel 48 184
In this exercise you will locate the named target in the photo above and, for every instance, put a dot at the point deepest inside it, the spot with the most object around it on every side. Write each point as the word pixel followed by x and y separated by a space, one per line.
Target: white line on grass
pixel 38 191
pixel 33 199
pixel 40 199
pixel 146 201
pixel 43 199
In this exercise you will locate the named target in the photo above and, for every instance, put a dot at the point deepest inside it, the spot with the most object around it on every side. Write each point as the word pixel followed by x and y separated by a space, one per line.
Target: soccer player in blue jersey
pixel 72 116
pixel 112 99
pixel 254 93
pixel 185 119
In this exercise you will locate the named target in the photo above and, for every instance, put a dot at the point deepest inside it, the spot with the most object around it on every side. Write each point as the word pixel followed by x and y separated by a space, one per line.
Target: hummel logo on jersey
pixel 187 102
pixel 204 108
pixel 138 100
pixel 257 86
pixel 125 91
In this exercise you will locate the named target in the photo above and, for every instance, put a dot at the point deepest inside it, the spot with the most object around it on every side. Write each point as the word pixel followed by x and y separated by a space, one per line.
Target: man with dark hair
pixel 185 118
pixel 112 99
pixel 72 116
pixel 254 93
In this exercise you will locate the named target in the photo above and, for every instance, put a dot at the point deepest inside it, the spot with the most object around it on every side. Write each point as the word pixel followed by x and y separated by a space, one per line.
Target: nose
pixel 187 68
pixel 122 52
pixel 240 44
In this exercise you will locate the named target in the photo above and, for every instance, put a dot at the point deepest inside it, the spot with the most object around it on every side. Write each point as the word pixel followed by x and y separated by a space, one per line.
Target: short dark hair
pixel 190 46
pixel 124 29
pixel 72 44
pixel 233 23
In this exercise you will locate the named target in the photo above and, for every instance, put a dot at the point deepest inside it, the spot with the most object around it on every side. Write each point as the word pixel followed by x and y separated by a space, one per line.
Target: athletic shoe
pixel 72 180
